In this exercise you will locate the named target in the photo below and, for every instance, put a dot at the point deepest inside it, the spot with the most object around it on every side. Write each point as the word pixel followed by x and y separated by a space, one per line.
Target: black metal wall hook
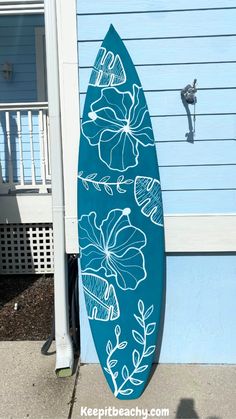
pixel 188 97
pixel 189 93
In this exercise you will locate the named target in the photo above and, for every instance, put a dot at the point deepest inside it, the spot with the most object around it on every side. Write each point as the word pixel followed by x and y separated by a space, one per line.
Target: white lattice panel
pixel 26 248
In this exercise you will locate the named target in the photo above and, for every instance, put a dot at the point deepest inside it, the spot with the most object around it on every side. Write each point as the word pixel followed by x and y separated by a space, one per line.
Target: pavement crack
pixel 73 396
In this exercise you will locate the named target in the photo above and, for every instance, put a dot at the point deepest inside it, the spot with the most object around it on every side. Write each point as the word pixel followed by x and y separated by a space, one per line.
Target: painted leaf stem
pixel 138 356
pixel 104 182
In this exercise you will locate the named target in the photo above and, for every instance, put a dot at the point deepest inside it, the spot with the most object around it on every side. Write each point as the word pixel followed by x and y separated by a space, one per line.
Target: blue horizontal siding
pixel 160 25
pixel 171 43
pixel 199 326
pixel 198 39
pixel 17 46
pixel 200 201
pixel 166 77
pixel 12 40
pixel 169 103
pixel 160 6
pixel 168 51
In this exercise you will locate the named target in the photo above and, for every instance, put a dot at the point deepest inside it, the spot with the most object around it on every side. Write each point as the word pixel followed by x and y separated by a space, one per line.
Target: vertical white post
pixel 30 123
pixel 70 111
pixel 10 163
pixel 64 349
pixel 47 145
pixel 19 134
pixel 42 151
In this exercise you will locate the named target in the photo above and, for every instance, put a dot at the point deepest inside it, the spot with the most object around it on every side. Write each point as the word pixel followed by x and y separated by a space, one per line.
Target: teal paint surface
pixel 121 233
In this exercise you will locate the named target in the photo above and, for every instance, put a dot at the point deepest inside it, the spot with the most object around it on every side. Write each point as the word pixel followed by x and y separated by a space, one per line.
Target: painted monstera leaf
pixel 148 196
pixel 101 300
pixel 108 70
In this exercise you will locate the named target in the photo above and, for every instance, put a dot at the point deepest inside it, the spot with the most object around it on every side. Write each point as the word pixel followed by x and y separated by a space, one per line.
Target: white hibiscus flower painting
pixel 114 246
pixel 118 124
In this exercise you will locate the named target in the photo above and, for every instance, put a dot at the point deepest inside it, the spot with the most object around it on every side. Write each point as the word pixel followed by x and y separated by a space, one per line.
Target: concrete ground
pixel 29 388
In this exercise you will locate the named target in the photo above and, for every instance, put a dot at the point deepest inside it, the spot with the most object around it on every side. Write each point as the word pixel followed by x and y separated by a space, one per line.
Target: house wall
pixel 172 43
pixel 17 46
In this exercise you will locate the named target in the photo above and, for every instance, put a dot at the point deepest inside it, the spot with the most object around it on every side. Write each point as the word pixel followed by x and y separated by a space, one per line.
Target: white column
pixel 42 151
pixel 9 151
pixel 31 136
pixel 19 135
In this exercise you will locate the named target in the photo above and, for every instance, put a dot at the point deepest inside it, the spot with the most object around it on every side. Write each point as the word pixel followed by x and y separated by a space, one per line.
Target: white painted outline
pixel 155 200
pixel 107 251
pixel 137 356
pixel 106 294
pixel 126 129
pixel 104 182
pixel 107 66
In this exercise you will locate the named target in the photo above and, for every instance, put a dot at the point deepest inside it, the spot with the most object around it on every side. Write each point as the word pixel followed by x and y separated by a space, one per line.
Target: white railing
pixel 24 147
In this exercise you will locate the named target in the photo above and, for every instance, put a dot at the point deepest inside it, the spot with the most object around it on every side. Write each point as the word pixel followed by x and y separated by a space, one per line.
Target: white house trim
pixel 70 111
pixel 15 208
pixel 14 7
pixel 200 233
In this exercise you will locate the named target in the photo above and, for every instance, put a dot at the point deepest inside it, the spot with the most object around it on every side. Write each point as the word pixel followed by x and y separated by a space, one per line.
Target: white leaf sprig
pixel 104 183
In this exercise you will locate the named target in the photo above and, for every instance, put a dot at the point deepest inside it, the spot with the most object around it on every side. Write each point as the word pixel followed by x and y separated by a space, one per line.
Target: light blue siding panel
pixel 199 324
pixel 205 152
pixel 168 51
pixel 207 127
pixel 199 202
pixel 221 177
pixel 106 6
pixel 215 101
pixel 200 300
pixel 176 77
pixel 170 103
pixel 159 24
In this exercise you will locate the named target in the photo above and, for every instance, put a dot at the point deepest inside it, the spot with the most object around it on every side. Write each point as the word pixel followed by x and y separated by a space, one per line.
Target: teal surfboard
pixel 121 235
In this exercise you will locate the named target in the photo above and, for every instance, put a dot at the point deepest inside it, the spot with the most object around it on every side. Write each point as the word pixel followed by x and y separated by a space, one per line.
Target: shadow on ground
pixel 186 410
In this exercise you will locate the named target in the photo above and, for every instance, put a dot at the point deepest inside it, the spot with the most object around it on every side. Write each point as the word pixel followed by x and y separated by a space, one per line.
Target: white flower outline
pixel 102 247
pixel 118 124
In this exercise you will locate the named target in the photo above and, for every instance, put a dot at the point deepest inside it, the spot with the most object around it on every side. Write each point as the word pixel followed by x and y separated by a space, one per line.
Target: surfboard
pixel 121 234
